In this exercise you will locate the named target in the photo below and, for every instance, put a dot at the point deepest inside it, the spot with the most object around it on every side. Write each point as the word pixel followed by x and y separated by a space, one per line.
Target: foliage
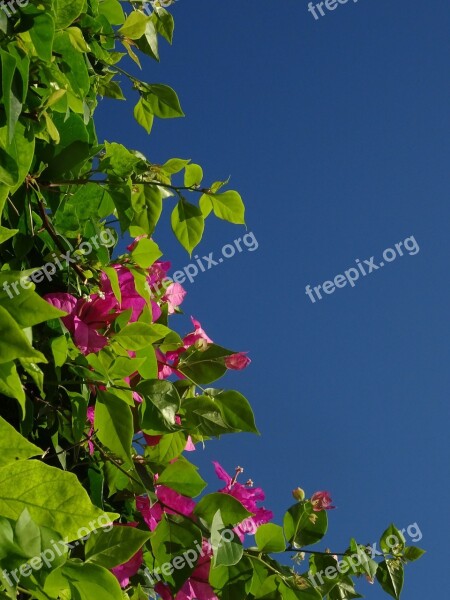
pixel 100 397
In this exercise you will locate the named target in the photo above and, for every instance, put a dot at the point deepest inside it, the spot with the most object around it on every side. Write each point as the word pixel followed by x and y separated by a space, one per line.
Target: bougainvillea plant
pixel 103 404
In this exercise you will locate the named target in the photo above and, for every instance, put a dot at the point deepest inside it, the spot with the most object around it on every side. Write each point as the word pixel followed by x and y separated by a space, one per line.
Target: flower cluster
pixel 170 502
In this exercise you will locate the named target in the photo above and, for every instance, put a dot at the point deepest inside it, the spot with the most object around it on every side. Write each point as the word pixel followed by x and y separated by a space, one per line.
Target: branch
pixel 49 227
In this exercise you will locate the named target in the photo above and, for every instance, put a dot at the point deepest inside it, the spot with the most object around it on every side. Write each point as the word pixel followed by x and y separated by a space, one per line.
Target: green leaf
pixel 67 12
pixel 163 101
pixel 229 207
pixel 233 581
pixel 146 253
pixel 144 115
pixel 77 39
pixel 164 23
pixel 6 234
pixel 390 575
pixel 303 526
pixel 89 202
pixel 112 548
pixel 207 366
pixel 11 384
pixel 187 224
pixel 193 175
pixel 25 484
pixel 135 336
pixel 27 535
pixel 203 416
pixel 135 25
pixel 113 277
pixel 205 205
pixel 148 43
pixel 149 368
pixel 114 422
pixel 146 201
pixel 174 536
pixel 59 350
pixel 413 553
pixel 270 538
pixel 236 411
pixel 118 160
pixel 392 541
pixel 85 582
pixel 13 446
pixel 231 510
pixel 11 91
pixel 111 89
pixel 112 10
pixel 226 545
pixel 28 308
pixel 170 446
pixel 15 158
pixel 13 341
pixel 182 477
pixel 160 406
pixel 174 165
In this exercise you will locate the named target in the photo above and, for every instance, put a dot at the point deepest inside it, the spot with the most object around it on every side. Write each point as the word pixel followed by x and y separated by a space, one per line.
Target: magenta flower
pixel 237 361
pixel 169 501
pixel 321 501
pixel 174 296
pixel 249 497
pixel 198 334
pixel 197 587
pixel 157 273
pixel 131 567
pixel 86 317
pixel 130 297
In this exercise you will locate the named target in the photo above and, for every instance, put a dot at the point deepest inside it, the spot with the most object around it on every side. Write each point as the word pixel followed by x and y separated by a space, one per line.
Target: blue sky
pixel 336 132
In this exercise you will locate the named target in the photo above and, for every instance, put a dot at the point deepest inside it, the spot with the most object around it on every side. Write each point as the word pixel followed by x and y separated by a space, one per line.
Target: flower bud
pixel 298 494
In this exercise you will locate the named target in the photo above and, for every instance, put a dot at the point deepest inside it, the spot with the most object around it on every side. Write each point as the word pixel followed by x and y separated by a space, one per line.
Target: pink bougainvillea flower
pixel 249 497
pixel 86 316
pixel 197 587
pixel 198 334
pixel 152 514
pixel 321 501
pixel 157 273
pixel 167 363
pixel 129 296
pixel 237 361
pixel 169 501
pixel 190 446
pixel 131 567
pixel 174 296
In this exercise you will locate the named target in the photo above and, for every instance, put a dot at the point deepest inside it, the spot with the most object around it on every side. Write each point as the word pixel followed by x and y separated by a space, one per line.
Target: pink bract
pixel 321 501
pixel 86 316
pixel 249 497
pixel 237 361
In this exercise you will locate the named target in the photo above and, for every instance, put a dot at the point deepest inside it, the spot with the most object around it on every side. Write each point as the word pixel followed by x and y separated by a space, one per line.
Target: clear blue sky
pixel 336 132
